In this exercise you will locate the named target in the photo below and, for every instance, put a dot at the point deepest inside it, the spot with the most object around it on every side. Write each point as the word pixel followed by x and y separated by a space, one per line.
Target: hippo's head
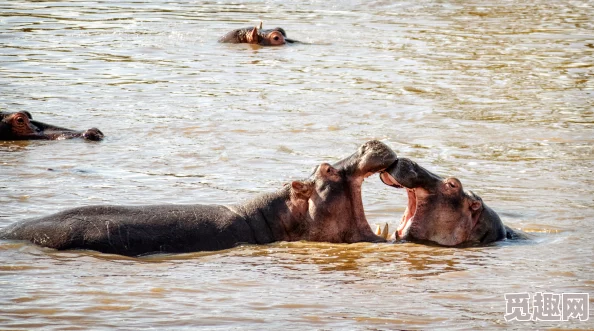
pixel 439 210
pixel 336 205
pixel 271 37
pixel 21 126
pixel 255 35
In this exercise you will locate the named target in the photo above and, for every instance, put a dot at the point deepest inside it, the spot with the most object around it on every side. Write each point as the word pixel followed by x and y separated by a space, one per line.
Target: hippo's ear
pixel 28 114
pixel 475 205
pixel 301 189
pixel 253 36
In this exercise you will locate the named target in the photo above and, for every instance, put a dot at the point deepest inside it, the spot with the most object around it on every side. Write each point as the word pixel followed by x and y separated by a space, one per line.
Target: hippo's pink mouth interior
pixel 409 214
pixel 411 208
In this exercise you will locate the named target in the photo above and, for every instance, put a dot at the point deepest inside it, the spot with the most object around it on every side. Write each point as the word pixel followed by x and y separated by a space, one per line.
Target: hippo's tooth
pixel 378 230
pixel 385 232
pixel 382 232
pixel 260 25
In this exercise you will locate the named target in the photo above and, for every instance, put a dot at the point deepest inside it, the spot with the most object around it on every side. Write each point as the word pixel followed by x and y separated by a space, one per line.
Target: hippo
pixel 270 37
pixel 440 211
pixel 21 126
pixel 326 207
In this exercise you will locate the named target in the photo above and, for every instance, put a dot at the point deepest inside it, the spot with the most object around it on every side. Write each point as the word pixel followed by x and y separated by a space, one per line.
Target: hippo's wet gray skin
pixel 269 37
pixel 440 211
pixel 21 126
pixel 328 207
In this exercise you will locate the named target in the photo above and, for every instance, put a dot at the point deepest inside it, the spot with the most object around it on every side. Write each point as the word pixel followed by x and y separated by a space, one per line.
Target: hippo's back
pixel 136 230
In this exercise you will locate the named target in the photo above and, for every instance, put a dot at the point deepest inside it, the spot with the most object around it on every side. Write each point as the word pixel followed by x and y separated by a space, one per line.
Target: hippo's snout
pixel 374 156
pixel 371 157
pixel 93 134
pixel 409 174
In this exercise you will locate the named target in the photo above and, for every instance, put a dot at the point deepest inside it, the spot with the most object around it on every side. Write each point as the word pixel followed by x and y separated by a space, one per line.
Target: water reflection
pixel 13 146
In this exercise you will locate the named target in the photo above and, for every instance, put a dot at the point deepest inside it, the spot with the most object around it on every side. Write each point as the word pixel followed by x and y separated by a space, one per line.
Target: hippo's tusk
pixel 260 25
pixel 385 232
pixel 382 232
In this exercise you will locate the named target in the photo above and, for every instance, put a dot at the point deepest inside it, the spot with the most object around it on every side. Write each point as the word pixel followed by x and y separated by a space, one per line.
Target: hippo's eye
pixel 451 185
pixel 20 120
pixel 276 38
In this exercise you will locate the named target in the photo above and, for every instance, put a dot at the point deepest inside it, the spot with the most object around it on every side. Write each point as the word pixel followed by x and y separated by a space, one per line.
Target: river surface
pixel 497 93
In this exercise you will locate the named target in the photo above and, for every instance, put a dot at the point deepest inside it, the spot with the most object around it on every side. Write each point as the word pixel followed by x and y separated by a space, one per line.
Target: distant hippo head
pixel 255 35
pixel 439 210
pixel 336 205
pixel 21 126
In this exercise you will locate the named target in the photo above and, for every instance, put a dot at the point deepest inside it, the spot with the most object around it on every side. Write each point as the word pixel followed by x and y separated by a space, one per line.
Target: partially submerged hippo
pixel 328 207
pixel 21 126
pixel 440 211
pixel 269 37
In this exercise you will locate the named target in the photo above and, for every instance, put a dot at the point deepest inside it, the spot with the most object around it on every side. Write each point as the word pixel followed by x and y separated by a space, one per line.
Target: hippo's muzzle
pixel 371 157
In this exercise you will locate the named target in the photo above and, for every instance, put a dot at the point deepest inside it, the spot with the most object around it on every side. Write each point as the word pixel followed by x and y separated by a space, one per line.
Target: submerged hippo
pixel 328 207
pixel 21 126
pixel 440 211
pixel 270 37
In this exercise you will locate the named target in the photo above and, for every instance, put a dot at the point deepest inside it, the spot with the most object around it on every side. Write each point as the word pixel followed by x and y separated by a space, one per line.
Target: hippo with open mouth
pixel 21 126
pixel 255 35
pixel 327 207
pixel 440 211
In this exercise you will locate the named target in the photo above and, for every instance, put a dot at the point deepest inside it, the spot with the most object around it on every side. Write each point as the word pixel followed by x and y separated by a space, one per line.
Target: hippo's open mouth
pixel 411 208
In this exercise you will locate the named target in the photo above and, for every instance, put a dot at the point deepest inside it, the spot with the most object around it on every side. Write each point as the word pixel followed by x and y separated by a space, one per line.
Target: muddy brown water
pixel 499 94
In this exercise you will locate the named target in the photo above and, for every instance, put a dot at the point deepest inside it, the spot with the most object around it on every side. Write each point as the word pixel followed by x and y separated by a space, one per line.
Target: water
pixel 497 94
